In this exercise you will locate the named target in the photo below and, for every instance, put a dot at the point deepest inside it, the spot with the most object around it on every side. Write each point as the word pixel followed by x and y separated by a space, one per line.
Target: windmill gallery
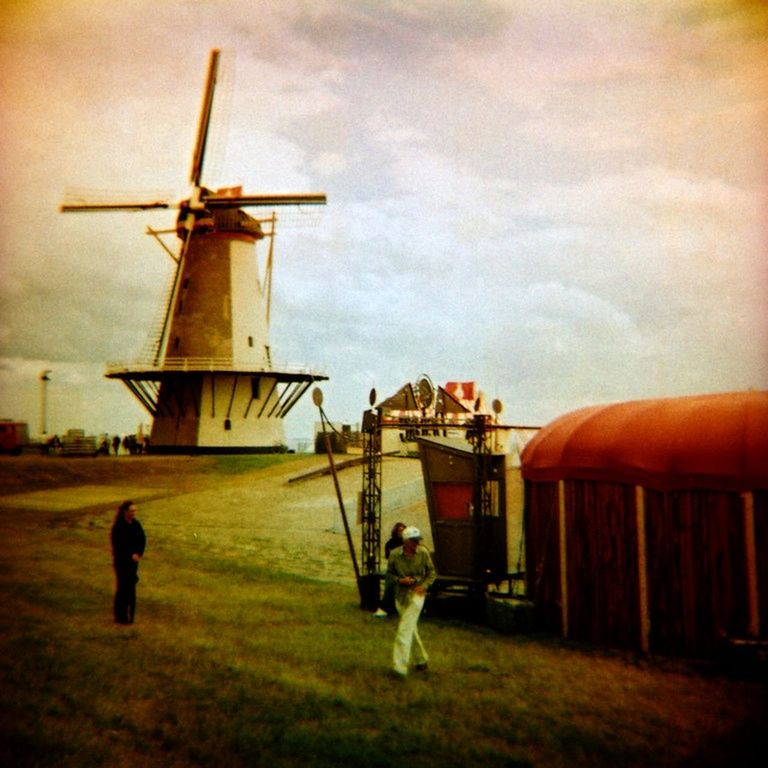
pixel 209 381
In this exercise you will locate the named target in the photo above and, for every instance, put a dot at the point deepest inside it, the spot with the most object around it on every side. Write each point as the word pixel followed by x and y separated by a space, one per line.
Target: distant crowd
pixel 128 445
pixel 131 444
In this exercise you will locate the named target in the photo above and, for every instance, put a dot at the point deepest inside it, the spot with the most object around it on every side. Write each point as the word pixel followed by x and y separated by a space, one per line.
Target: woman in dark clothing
pixel 395 539
pixel 128 542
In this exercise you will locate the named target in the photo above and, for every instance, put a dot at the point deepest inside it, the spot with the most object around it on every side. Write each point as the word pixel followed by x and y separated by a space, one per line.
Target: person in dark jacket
pixel 395 539
pixel 128 543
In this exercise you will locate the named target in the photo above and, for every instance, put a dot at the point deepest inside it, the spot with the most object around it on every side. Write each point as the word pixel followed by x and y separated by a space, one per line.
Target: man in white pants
pixel 411 570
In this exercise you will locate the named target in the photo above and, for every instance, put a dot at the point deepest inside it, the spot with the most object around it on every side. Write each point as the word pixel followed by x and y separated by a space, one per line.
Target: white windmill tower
pixel 210 383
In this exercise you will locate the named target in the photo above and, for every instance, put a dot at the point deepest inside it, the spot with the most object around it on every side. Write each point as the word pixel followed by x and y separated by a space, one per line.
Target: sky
pixel 564 202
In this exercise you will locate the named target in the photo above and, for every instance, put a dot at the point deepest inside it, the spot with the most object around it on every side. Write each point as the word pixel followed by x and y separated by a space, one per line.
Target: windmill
pixel 209 381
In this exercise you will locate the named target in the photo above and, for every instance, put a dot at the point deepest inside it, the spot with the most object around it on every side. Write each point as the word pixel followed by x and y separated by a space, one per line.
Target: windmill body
pixel 210 382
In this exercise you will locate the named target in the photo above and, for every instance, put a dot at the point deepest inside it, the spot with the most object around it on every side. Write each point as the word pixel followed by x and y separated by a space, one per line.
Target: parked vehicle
pixel 14 435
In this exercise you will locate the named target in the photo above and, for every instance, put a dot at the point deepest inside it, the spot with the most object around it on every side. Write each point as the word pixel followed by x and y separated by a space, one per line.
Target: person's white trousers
pixel 408 646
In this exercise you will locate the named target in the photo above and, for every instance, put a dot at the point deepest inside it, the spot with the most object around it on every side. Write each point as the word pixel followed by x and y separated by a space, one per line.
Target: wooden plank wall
pixel 696 571
pixel 701 584
pixel 761 548
pixel 542 558
pixel 603 585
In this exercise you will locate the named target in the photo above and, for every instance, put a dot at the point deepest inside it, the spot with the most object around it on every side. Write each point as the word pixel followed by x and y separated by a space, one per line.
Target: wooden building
pixel 646 523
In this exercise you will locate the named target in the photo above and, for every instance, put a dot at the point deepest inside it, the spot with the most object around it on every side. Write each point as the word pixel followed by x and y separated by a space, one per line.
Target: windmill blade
pixel 243 201
pixel 205 119
pixel 90 207
pixel 174 292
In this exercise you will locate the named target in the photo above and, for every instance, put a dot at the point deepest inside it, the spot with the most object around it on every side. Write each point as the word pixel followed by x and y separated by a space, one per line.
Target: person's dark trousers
pixel 125 594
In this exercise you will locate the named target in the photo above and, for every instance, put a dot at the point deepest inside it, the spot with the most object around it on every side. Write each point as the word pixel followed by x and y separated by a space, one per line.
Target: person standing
pixel 395 539
pixel 411 571
pixel 128 543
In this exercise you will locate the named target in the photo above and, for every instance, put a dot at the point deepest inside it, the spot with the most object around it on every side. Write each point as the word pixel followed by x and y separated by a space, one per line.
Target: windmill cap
pixel 411 532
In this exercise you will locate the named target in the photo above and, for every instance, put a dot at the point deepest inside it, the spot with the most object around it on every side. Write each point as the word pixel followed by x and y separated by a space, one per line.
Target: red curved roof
pixel 704 441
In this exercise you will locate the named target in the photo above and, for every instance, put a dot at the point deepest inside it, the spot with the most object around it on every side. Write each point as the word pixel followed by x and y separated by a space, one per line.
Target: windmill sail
pixel 205 120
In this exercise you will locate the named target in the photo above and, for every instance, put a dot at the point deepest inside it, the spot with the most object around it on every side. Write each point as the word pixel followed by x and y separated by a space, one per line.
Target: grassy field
pixel 232 663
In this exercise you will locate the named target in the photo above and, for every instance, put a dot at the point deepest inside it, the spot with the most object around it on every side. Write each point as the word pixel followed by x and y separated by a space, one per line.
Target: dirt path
pixel 185 503
pixel 294 527
pixel 227 507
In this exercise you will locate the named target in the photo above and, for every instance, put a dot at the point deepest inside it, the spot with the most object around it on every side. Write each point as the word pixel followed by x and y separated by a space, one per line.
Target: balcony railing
pixel 210 364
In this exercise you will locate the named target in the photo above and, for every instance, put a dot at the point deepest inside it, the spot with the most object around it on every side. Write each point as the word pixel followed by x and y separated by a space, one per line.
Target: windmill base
pixel 216 412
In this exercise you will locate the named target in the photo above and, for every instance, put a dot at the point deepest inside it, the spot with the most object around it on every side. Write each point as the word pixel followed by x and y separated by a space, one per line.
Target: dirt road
pixel 259 515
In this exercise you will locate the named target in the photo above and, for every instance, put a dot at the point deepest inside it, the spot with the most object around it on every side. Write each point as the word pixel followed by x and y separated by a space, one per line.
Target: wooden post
pixel 563 557
pixel 642 570
pixel 343 512
pixel 750 560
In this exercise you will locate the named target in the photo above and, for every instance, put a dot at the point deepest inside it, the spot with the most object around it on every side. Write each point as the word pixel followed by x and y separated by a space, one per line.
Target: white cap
pixel 411 532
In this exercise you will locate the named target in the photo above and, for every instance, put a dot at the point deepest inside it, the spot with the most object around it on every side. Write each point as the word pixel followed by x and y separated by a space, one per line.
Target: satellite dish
pixel 425 392
pixel 317 396
pixel 372 397
pixel 497 406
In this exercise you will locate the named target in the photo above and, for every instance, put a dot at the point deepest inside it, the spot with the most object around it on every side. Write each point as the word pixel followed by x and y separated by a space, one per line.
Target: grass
pixel 237 464
pixel 232 664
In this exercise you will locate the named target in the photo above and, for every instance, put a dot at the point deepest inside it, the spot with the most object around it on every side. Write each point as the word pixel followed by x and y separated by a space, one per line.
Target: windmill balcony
pixel 202 364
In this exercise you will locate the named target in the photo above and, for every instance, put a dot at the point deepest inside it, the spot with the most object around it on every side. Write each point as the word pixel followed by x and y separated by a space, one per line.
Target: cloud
pixel 77 397
pixel 329 163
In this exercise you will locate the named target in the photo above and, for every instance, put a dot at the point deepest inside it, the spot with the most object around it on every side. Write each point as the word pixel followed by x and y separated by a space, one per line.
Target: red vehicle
pixel 14 435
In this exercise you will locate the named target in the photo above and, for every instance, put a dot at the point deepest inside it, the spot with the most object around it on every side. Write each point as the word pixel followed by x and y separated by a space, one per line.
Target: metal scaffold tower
pixel 481 446
pixel 371 494
pixel 371 504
